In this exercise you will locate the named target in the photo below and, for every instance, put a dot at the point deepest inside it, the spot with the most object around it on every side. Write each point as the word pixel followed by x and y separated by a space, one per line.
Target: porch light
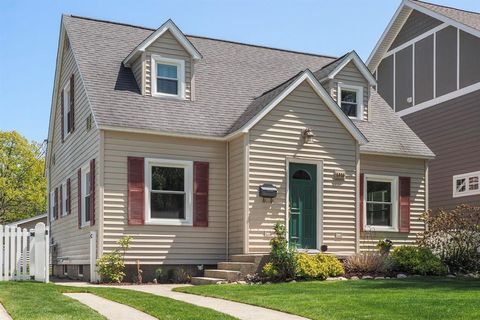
pixel 307 135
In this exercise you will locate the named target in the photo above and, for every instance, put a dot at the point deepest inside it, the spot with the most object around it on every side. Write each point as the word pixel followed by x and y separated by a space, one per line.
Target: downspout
pixel 101 184
pixel 228 202
pixel 427 205
pixel 357 200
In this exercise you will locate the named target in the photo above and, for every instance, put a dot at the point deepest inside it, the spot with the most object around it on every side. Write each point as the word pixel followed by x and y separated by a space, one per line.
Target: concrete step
pixel 243 258
pixel 206 280
pixel 244 267
pixel 228 275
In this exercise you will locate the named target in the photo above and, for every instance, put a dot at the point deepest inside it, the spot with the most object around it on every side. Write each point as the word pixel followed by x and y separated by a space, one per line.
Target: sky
pixel 29 33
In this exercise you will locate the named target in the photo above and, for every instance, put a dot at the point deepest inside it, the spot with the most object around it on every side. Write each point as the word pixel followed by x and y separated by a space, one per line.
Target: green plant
pixel 416 260
pixel 282 257
pixel 182 275
pixel 366 263
pixel 319 266
pixel 111 265
pixel 454 235
pixel 384 245
pixel 270 271
pixel 161 275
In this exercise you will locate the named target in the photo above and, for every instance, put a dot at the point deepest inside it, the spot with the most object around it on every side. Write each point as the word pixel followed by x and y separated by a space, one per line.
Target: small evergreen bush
pixel 282 257
pixel 319 266
pixel 416 260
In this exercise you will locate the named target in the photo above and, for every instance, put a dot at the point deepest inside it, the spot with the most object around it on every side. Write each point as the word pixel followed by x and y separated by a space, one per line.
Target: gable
pixel 416 24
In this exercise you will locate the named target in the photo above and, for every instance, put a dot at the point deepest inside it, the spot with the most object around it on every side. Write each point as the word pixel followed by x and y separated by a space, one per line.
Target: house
pixel 168 138
pixel 427 69
pixel 29 223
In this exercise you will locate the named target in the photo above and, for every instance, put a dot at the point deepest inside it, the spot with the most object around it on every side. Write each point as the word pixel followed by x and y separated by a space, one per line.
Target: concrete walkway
pixel 109 309
pixel 4 314
pixel 238 310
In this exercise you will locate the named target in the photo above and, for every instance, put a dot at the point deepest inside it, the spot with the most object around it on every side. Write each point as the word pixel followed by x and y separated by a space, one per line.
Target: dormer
pixel 163 64
pixel 349 82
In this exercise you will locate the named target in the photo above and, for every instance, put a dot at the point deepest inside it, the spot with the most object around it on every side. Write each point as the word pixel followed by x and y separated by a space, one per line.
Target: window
pixel 80 270
pixel 65 270
pixel 169 191
pixel 67 110
pixel 86 194
pixel 64 199
pixel 466 184
pixel 351 100
pixel 168 77
pixel 301 175
pixel 381 203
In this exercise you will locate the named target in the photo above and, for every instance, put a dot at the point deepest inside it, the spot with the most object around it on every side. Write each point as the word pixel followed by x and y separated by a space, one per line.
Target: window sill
pixel 379 229
pixel 168 222
pixel 84 225
pixel 466 194
pixel 168 96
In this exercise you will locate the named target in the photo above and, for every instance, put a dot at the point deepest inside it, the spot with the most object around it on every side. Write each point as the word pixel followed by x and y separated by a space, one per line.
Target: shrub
pixel 318 266
pixel 416 260
pixel 111 265
pixel 282 258
pixel 454 235
pixel 182 275
pixel 270 271
pixel 367 263
pixel 384 246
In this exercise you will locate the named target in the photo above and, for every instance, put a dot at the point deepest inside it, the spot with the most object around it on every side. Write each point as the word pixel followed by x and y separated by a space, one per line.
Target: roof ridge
pixel 207 38
pixel 448 7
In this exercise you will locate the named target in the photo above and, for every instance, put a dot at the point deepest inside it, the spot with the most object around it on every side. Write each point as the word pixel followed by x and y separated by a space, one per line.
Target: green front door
pixel 303 205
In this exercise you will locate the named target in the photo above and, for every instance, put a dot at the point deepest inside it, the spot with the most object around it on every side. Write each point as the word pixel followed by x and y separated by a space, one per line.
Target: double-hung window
pixel 381 203
pixel 466 184
pixel 168 77
pixel 350 100
pixel 86 195
pixel 67 109
pixel 52 205
pixel 168 191
pixel 64 199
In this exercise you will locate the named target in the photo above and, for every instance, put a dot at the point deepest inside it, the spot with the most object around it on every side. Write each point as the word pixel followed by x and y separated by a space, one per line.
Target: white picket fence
pixel 24 254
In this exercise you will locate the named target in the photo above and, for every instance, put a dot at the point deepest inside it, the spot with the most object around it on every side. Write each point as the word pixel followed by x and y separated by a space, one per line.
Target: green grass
pixel 38 301
pixel 413 298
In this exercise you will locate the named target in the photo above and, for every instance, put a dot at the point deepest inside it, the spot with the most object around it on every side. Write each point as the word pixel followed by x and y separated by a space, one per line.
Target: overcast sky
pixel 29 33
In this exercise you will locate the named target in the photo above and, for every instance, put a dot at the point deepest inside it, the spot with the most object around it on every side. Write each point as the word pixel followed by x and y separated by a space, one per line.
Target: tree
pixel 22 182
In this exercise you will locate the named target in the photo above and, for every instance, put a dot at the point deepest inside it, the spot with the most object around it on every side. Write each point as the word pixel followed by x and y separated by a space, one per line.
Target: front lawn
pixel 39 301
pixel 412 298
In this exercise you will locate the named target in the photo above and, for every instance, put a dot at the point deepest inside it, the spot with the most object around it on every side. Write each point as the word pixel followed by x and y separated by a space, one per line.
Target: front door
pixel 303 205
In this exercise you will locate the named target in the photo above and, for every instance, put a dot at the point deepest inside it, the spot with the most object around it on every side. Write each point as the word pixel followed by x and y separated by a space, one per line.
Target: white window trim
pixel 359 90
pixel 85 171
pixel 188 184
pixel 64 198
pixel 180 64
pixel 467 191
pixel 394 183
pixel 52 204
pixel 66 108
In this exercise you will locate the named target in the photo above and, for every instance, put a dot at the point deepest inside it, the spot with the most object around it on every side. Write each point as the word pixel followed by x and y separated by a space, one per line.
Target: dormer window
pixel 168 77
pixel 350 100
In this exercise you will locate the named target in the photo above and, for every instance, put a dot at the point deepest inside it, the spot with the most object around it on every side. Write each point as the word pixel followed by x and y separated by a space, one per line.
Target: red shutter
pixel 404 192
pixel 136 190
pixel 92 192
pixel 200 194
pixel 61 201
pixel 69 197
pixel 55 210
pixel 79 208
pixel 71 118
pixel 62 116
pixel 362 200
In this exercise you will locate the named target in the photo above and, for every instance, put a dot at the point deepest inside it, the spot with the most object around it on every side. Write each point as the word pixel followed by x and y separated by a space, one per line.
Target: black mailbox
pixel 267 190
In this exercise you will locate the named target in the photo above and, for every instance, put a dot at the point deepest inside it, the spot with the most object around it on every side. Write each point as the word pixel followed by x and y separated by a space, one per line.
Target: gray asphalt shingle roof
pixel 233 82
pixel 468 18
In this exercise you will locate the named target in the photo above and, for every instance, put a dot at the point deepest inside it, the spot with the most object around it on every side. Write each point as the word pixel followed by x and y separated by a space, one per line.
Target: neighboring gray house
pixel 428 69
pixel 167 138
pixel 29 223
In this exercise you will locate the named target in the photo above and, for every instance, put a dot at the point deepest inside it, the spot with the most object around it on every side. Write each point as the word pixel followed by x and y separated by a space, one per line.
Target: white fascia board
pixel 172 27
pixel 353 56
pixel 16 223
pixel 317 87
pixel 385 32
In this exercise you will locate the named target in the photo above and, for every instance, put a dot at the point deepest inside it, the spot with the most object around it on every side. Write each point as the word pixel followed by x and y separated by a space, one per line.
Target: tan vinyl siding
pixel 156 244
pixel 403 167
pixel 76 151
pixel 278 136
pixel 137 69
pixel 168 47
pixel 236 195
pixel 350 75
